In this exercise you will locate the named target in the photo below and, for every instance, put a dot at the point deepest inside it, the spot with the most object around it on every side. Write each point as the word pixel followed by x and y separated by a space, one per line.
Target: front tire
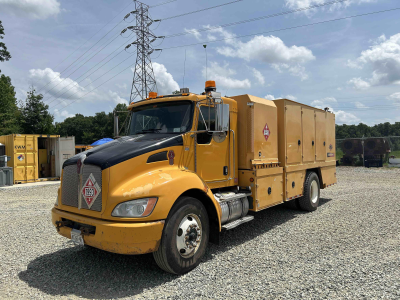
pixel 185 237
pixel 310 199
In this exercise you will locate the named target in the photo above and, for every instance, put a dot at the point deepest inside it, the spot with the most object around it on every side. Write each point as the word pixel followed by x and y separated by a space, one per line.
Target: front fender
pixel 166 182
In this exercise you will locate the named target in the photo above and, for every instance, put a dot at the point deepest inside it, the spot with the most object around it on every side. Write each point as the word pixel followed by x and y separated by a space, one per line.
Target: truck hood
pixel 124 148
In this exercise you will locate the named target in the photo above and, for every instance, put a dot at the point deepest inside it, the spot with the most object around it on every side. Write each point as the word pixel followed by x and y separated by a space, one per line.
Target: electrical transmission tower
pixel 144 80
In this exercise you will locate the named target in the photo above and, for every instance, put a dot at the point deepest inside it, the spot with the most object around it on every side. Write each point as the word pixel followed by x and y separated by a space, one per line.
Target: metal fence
pixel 369 151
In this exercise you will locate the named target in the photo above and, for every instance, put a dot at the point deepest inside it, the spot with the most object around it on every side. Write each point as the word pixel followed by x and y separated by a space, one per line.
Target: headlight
pixel 135 208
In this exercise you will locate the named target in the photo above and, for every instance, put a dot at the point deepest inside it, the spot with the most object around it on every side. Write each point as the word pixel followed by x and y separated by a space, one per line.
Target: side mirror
pixel 222 117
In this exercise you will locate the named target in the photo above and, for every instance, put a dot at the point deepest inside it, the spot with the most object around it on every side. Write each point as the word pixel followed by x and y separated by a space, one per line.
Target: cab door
pixel 212 152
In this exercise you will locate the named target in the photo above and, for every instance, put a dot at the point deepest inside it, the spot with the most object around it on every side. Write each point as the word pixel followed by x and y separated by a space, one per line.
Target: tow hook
pixel 60 224
pixel 85 231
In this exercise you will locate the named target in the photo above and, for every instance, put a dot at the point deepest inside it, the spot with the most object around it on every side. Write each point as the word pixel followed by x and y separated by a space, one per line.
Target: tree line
pixel 363 130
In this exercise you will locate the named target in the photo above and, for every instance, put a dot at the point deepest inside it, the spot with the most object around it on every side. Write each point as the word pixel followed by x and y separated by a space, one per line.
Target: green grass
pixel 395 153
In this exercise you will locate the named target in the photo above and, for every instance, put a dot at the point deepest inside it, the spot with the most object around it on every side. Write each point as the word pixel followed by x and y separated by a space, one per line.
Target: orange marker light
pixel 210 83
pixel 152 95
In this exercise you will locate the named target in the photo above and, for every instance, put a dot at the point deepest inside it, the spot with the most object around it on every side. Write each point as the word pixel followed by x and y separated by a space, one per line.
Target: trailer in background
pixel 37 157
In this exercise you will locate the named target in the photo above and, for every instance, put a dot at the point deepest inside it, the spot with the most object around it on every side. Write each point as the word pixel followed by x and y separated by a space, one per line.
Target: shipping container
pixel 37 157
pixel 82 148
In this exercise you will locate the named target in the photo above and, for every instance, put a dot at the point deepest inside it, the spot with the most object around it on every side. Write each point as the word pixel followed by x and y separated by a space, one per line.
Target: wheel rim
pixel 188 235
pixel 314 191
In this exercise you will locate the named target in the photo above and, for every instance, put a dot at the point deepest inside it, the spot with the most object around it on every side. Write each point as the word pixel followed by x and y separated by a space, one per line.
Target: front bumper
pixel 116 237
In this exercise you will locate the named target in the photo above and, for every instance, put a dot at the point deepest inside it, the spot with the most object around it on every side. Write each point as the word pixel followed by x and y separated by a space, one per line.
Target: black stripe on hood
pixel 124 148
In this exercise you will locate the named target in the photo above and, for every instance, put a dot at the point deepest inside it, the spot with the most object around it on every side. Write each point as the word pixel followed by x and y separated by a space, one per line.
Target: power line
pixel 163 3
pixel 95 34
pixel 283 29
pixel 200 10
pixel 258 18
pixel 82 65
pixel 98 85
pixel 59 95
pixel 88 49
pixel 96 80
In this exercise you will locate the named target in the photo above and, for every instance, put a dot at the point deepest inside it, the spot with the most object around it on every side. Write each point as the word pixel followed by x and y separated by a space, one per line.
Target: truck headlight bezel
pixel 137 208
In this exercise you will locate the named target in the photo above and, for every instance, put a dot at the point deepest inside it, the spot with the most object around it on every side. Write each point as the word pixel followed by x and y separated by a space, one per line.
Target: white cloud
pixel 36 9
pixel 324 102
pixel 342 117
pixel 295 4
pixel 62 115
pixel 359 84
pixel 383 57
pixel 257 74
pixel 360 105
pixel 395 97
pixel 291 97
pixel 57 85
pixel 64 90
pixel 165 82
pixel 116 98
pixel 267 49
pixel 194 32
pixel 272 97
pixel 223 77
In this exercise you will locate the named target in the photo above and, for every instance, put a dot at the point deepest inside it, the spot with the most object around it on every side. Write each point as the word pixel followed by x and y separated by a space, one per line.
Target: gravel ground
pixel 349 248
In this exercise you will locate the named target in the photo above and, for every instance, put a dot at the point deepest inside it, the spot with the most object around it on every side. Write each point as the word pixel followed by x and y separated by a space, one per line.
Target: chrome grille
pixel 71 186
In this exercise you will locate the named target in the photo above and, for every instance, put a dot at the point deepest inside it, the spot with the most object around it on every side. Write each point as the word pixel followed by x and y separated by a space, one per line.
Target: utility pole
pixel 144 80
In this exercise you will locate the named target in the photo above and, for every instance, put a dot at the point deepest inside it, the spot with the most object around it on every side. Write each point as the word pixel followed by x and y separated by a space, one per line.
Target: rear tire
pixel 185 237
pixel 310 199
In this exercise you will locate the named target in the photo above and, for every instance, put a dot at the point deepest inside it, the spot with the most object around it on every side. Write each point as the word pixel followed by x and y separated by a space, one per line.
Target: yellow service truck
pixel 192 166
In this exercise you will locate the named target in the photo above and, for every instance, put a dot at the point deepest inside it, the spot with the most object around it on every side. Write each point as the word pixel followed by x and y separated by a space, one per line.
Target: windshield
pixel 165 117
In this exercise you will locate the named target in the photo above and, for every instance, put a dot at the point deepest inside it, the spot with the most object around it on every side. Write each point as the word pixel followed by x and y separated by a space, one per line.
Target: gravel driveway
pixel 348 248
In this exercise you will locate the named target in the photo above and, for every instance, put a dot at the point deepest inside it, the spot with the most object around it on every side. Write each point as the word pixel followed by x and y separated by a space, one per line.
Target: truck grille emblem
pixel 90 191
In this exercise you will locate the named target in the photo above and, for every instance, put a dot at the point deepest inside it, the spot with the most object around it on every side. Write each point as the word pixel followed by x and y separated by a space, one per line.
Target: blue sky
pixel 351 65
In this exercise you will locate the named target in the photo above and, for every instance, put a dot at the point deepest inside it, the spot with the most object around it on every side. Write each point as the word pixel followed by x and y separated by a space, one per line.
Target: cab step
pixel 238 222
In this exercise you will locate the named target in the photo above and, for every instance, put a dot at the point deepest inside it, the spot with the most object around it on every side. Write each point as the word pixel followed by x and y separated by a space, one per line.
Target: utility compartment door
pixel 330 137
pixel 269 191
pixel 293 134
pixel 294 183
pixel 308 126
pixel 320 135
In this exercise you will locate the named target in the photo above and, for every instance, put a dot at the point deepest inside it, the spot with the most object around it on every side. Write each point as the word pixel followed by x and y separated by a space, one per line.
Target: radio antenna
pixel 184 70
pixel 205 48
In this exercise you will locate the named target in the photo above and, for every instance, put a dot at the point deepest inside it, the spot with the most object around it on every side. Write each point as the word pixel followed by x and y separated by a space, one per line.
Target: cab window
pixel 205 137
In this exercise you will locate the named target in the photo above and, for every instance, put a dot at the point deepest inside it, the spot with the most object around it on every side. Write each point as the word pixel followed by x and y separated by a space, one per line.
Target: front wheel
pixel 310 199
pixel 185 237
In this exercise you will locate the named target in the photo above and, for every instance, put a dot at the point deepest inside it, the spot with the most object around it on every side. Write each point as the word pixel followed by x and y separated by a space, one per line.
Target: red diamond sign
pixel 90 191
pixel 266 132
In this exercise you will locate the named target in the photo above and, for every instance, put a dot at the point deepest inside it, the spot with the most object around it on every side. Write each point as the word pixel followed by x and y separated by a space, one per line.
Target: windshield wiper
pixel 149 130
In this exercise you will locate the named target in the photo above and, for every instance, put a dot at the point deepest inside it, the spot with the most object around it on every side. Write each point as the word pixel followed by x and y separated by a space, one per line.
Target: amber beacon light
pixel 152 95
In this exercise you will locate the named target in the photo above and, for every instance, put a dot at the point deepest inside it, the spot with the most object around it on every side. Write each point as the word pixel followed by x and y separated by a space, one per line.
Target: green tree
pixel 35 117
pixel 8 107
pixel 4 54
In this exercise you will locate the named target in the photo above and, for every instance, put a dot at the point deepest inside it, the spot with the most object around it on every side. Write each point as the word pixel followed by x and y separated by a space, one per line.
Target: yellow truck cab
pixel 192 166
